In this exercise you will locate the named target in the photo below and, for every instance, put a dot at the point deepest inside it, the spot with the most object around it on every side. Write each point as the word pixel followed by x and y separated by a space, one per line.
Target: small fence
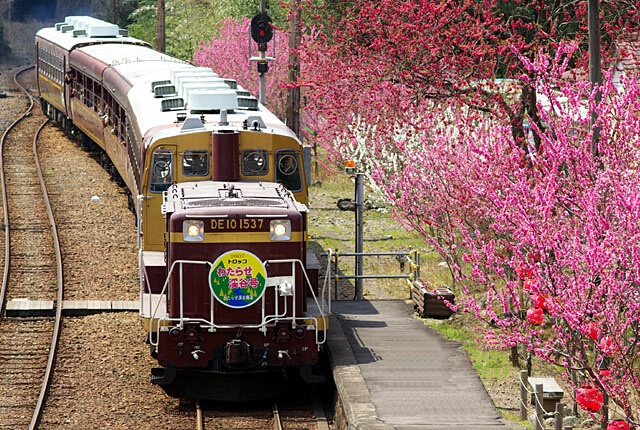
pixel 544 394
pixel 410 258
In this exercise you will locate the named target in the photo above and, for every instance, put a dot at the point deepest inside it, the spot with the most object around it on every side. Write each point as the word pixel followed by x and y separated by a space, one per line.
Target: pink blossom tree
pixel 554 228
pixel 525 220
pixel 228 55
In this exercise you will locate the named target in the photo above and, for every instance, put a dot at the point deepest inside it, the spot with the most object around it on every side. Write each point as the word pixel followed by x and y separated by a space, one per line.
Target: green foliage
pixel 248 8
pixel 144 21
pixel 123 11
pixel 187 22
pixel 490 363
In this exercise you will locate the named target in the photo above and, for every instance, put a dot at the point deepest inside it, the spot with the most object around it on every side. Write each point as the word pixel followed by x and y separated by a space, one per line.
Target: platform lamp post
pixel 350 169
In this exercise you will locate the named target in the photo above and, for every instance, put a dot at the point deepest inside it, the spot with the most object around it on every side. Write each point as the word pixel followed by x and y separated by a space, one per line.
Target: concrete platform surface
pixel 394 372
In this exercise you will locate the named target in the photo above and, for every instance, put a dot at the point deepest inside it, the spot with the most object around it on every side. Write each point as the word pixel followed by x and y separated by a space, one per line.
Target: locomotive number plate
pixel 237 224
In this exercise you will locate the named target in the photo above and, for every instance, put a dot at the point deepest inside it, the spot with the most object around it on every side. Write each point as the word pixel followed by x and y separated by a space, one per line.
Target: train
pixel 229 296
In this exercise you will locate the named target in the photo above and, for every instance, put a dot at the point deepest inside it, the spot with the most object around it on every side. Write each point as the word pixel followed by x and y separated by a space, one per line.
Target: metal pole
pixel 335 274
pixel 359 223
pixel 263 81
pixel 293 107
pixel 263 56
pixel 595 75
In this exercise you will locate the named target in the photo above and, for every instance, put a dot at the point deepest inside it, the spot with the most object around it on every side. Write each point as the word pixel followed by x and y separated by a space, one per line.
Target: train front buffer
pixel 238 291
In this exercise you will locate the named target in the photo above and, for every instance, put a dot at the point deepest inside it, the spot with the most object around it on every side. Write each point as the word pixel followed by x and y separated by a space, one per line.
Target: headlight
pixel 280 229
pixel 193 231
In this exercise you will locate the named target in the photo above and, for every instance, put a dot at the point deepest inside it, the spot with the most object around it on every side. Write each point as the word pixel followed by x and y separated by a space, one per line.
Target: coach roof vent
pixel 247 102
pixel 92 26
pixel 154 84
pixel 233 84
pixel 66 28
pixel 78 33
pixel 164 91
pixel 172 104
pixel 192 71
pixel 212 100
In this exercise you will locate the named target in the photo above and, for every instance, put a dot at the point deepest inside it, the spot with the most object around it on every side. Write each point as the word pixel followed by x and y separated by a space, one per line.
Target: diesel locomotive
pixel 229 294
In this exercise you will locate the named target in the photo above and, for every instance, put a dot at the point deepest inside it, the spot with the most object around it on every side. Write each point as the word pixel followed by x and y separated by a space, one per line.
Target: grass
pixel 332 228
pixel 488 363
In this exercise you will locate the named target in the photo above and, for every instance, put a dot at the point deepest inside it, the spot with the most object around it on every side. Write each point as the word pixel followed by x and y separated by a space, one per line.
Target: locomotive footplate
pixel 232 387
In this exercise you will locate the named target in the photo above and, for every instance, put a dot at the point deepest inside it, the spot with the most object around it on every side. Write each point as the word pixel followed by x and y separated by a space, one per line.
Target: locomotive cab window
pixel 161 171
pixel 195 163
pixel 254 162
pixel 288 170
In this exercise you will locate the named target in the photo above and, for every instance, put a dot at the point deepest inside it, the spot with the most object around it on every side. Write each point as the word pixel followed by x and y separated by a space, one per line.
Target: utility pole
pixel 293 105
pixel 161 31
pixel 595 74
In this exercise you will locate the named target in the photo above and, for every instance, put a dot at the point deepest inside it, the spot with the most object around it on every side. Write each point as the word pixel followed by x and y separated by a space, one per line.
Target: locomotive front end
pixel 239 300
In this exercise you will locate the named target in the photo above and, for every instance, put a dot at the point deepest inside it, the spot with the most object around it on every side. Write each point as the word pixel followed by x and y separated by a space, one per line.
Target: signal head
pixel 261 29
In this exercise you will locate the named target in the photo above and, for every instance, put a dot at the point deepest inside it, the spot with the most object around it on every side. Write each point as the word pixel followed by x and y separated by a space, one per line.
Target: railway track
pixel 32 271
pixel 285 415
pixel 100 356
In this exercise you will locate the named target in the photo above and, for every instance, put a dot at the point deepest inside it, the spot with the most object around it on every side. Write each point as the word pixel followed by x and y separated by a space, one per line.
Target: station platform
pixel 393 372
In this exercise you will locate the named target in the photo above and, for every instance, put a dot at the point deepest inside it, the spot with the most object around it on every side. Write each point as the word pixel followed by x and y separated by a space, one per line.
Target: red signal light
pixel 261 28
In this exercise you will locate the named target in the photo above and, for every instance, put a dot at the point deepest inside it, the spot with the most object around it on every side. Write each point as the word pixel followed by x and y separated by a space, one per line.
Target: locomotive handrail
pixel 266 319
pixel 304 272
pixel 164 290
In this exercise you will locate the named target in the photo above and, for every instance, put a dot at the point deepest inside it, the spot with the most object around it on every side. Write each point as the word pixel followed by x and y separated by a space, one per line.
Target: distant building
pixel 628 57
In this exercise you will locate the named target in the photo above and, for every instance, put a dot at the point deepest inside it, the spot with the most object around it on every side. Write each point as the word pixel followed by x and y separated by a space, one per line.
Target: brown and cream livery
pixel 228 287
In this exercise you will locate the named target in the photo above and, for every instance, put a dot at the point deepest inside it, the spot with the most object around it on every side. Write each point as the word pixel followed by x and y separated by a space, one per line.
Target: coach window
pixel 161 171
pixel 254 162
pixel 195 163
pixel 288 170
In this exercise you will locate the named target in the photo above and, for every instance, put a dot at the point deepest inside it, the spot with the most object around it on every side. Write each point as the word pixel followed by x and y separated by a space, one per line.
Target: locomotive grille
pixel 232 202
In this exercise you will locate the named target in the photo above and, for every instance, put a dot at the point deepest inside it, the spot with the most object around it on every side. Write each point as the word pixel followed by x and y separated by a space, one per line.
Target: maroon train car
pixel 241 310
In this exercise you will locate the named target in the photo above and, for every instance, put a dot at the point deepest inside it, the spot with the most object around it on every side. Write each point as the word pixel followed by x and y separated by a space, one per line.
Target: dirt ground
pixel 327 218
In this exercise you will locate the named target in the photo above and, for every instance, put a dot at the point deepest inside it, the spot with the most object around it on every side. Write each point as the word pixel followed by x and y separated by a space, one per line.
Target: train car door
pixel 71 85
pixel 159 175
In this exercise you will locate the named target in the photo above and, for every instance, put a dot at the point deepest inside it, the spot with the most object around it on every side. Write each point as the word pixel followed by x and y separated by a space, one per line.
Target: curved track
pixel 32 271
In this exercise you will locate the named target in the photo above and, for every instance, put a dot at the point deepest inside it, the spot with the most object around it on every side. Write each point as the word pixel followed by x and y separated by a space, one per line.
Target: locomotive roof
pixel 211 194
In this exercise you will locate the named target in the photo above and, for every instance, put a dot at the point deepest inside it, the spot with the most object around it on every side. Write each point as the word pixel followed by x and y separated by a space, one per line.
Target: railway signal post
pixel 262 33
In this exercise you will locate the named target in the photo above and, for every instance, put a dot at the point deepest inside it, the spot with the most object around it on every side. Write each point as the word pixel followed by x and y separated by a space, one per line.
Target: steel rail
pixel 277 422
pixel 3 181
pixel 53 349
pixel 46 380
pixel 199 416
